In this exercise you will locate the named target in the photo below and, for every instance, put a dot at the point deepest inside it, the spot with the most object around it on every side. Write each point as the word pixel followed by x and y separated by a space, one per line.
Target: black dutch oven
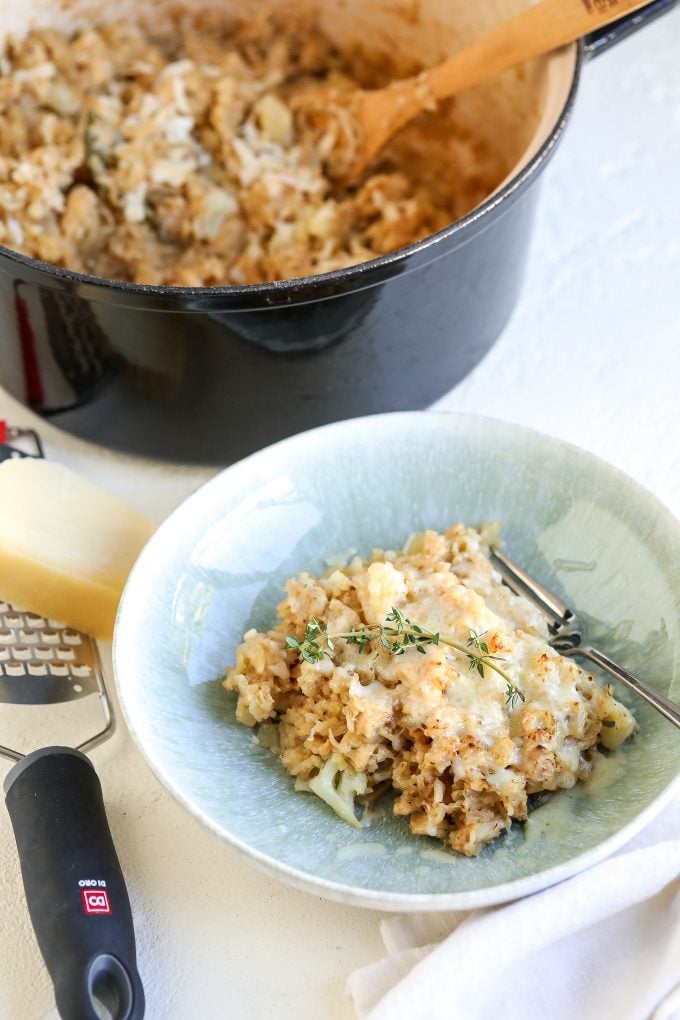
pixel 211 374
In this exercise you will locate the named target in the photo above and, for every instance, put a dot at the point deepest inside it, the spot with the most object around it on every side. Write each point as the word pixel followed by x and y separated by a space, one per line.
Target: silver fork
pixel 568 636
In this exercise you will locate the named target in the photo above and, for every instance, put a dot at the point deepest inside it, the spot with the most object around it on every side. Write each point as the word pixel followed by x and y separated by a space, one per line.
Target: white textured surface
pixel 592 355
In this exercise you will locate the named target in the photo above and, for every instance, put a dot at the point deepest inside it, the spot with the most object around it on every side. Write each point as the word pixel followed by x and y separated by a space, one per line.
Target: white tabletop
pixel 592 355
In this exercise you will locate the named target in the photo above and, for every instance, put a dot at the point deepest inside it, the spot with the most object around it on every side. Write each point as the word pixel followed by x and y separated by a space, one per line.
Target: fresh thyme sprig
pixel 397 635
pixel 317 642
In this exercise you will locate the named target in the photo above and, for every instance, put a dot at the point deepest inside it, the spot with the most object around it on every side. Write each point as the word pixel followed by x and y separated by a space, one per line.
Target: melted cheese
pixel 488 714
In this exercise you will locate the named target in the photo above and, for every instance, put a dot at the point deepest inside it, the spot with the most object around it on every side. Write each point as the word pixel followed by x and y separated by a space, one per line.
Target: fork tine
pixel 522 583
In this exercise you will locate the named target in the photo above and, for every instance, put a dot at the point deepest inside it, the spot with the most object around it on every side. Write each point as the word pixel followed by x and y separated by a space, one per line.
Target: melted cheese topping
pixel 444 731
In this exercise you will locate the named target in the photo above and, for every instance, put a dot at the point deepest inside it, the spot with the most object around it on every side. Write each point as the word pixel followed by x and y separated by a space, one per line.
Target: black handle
pixel 604 38
pixel 74 885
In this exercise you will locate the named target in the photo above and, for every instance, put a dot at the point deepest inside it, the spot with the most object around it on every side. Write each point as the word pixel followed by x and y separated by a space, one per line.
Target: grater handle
pixel 74 885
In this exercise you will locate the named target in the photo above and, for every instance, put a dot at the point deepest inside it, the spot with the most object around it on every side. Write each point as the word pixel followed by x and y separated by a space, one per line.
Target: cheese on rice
pixel 461 750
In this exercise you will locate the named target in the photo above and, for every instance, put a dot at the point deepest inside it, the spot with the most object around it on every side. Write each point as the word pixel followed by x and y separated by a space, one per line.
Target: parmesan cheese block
pixel 66 545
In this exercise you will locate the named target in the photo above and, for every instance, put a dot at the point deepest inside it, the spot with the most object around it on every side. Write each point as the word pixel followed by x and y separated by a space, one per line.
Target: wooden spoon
pixel 380 113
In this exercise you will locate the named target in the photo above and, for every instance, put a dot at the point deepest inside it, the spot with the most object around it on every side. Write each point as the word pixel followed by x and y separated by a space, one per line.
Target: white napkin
pixel 604 944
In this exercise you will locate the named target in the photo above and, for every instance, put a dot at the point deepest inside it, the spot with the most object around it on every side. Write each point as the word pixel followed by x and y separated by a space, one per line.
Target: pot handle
pixel 604 38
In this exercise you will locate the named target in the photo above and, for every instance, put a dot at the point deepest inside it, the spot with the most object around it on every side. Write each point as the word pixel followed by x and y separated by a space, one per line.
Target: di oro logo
pixel 95 901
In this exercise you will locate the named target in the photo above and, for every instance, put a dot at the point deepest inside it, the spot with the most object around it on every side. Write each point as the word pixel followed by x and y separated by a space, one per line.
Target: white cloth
pixel 603 945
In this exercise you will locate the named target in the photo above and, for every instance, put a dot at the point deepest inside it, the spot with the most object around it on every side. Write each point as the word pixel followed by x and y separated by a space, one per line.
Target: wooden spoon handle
pixel 537 30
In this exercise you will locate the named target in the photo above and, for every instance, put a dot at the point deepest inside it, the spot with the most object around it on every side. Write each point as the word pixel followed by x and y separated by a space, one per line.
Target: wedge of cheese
pixel 66 545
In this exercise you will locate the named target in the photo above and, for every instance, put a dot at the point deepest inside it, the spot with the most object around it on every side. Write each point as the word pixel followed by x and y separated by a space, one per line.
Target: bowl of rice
pixel 317 659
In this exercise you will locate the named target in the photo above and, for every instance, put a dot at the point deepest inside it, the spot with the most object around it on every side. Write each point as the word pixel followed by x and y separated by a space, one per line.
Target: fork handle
pixel 667 708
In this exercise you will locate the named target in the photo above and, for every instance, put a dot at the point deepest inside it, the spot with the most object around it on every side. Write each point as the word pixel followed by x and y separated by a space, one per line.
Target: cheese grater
pixel 44 662
pixel 74 886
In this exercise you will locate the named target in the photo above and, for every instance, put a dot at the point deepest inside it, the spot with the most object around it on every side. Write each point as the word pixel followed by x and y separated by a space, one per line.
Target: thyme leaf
pixel 513 694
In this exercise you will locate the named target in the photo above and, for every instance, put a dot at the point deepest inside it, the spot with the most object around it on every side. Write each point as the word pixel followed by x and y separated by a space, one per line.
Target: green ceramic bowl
pixel 217 566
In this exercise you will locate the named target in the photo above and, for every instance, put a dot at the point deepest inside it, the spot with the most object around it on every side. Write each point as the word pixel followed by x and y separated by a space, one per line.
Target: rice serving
pixel 465 732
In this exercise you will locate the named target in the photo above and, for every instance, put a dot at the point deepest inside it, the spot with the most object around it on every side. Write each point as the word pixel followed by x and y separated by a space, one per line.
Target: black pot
pixel 211 374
